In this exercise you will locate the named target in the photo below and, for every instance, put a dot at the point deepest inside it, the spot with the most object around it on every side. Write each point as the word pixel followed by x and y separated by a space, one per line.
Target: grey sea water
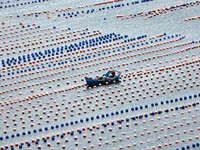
pixel 61 107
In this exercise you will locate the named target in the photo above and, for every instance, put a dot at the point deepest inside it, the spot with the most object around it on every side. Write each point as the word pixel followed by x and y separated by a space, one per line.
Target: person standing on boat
pixel 112 74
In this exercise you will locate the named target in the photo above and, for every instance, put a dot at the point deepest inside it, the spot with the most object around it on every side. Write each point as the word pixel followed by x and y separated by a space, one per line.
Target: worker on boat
pixel 112 74
pixel 105 78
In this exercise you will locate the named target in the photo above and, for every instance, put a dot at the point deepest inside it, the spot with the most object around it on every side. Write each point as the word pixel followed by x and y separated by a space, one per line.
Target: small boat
pixel 101 81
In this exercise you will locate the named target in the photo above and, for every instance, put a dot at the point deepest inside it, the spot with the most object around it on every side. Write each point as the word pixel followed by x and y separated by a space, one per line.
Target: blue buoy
pixel 18 134
pixel 45 140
